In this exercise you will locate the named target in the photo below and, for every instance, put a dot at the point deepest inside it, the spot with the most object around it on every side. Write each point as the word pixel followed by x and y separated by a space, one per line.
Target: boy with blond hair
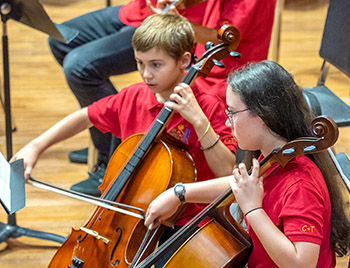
pixel 162 47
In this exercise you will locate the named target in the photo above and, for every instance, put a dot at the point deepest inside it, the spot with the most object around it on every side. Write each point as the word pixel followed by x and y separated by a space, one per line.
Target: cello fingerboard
pixel 139 154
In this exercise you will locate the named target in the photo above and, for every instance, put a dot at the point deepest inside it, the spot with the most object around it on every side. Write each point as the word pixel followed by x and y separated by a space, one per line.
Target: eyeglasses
pixel 230 114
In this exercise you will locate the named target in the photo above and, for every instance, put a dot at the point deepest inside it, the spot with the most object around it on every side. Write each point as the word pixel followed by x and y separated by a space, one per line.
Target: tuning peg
pixel 218 63
pixel 209 45
pixel 194 58
pixel 235 54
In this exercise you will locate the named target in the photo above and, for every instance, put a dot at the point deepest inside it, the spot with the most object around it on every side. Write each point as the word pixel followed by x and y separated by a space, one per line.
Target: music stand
pixel 30 13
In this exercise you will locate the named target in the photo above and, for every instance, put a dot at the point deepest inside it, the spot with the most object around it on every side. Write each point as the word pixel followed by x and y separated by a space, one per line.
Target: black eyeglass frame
pixel 230 114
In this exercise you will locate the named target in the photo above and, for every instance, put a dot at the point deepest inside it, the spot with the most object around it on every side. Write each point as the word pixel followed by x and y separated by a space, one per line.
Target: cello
pixel 140 169
pixel 222 242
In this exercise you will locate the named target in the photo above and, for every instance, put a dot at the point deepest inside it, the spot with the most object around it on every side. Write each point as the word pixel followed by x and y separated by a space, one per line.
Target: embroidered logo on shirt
pixel 229 140
pixel 308 228
pixel 181 133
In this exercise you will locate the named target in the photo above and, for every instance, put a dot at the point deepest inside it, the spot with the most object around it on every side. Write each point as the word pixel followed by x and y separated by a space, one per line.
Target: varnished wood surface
pixel 40 97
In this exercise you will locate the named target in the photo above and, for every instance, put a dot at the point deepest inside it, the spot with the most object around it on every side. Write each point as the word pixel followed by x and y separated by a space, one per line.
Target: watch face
pixel 178 189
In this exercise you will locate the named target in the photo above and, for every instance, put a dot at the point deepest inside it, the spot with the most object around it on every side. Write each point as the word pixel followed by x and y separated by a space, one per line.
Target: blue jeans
pixel 101 47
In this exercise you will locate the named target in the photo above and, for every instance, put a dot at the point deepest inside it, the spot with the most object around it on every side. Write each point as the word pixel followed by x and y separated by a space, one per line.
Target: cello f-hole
pixel 78 239
pixel 118 230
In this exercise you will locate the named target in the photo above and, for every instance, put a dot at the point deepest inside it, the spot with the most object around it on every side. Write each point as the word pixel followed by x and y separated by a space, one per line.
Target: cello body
pixel 216 246
pixel 115 238
pixel 220 243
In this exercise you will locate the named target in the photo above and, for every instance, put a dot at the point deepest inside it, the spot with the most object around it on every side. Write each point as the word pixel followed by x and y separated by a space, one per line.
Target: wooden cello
pixel 141 168
pixel 222 242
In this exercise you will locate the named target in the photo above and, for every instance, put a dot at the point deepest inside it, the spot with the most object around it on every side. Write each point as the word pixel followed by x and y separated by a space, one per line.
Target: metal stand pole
pixel 11 229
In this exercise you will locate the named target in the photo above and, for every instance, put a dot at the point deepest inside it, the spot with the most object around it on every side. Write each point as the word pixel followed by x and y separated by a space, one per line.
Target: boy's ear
pixel 185 60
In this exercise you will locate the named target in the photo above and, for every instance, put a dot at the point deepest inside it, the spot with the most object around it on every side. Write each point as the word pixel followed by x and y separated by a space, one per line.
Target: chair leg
pixel 323 75
pixel 108 3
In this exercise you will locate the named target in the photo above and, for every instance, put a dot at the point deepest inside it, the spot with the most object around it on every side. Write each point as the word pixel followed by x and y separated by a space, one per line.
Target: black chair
pixel 342 164
pixel 335 50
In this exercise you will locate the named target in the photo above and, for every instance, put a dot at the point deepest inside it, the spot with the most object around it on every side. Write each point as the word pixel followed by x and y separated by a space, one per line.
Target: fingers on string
pixel 182 87
pixel 243 170
pixel 236 176
pixel 256 167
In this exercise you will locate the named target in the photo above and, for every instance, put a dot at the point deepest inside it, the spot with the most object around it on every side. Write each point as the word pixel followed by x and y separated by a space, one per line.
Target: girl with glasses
pixel 295 215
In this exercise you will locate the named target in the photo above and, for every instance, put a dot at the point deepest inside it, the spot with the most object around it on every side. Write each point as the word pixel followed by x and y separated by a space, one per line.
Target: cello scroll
pixel 325 134
pixel 230 38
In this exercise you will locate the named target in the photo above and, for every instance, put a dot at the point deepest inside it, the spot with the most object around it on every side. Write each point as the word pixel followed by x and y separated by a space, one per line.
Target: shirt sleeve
pixel 303 212
pixel 103 114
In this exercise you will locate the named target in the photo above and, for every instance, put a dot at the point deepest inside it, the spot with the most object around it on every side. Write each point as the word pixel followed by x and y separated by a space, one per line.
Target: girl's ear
pixel 185 60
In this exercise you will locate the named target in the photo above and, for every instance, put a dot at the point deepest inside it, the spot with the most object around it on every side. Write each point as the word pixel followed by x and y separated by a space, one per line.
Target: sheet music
pixel 12 192
pixel 5 173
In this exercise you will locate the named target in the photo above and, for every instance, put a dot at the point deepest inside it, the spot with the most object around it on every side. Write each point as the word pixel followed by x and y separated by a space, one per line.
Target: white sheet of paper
pixel 12 191
pixel 5 174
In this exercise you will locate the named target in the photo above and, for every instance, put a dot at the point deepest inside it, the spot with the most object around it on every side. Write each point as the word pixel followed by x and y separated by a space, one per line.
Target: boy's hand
pixel 162 208
pixel 30 156
pixel 248 189
pixel 161 5
pixel 187 105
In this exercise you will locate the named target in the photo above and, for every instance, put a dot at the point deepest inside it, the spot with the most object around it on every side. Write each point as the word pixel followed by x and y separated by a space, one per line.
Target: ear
pixel 185 60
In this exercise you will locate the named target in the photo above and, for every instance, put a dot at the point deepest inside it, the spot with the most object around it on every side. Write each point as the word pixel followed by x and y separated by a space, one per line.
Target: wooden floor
pixel 40 97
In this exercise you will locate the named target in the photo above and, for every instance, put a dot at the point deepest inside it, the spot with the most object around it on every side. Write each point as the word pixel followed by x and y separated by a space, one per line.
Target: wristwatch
pixel 180 190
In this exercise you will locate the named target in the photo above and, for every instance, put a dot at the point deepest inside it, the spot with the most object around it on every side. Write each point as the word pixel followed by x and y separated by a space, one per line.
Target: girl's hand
pixel 30 155
pixel 162 208
pixel 187 105
pixel 248 189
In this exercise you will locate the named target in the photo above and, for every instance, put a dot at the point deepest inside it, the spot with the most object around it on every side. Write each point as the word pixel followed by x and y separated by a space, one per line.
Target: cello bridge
pixel 94 234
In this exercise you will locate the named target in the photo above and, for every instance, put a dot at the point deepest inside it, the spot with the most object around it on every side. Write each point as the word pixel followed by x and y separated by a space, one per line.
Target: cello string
pixel 143 245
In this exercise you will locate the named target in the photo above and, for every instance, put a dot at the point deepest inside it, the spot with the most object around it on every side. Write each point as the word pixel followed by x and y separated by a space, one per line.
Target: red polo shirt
pixel 134 109
pixel 297 201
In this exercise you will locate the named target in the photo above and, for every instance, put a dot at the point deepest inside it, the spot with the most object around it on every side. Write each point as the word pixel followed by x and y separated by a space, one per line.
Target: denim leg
pixel 102 48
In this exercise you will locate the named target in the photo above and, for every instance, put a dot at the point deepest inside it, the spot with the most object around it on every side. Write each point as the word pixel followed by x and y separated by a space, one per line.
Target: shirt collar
pixel 153 103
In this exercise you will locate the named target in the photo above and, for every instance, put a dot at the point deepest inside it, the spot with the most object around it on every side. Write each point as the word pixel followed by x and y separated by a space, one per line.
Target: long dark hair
pixel 270 92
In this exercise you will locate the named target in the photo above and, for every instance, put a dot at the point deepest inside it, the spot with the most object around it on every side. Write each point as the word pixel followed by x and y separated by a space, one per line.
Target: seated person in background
pixel 102 48
pixel 162 45
pixel 295 215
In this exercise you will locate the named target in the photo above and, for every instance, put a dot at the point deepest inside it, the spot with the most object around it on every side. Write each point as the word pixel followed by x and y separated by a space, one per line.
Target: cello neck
pixel 156 128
